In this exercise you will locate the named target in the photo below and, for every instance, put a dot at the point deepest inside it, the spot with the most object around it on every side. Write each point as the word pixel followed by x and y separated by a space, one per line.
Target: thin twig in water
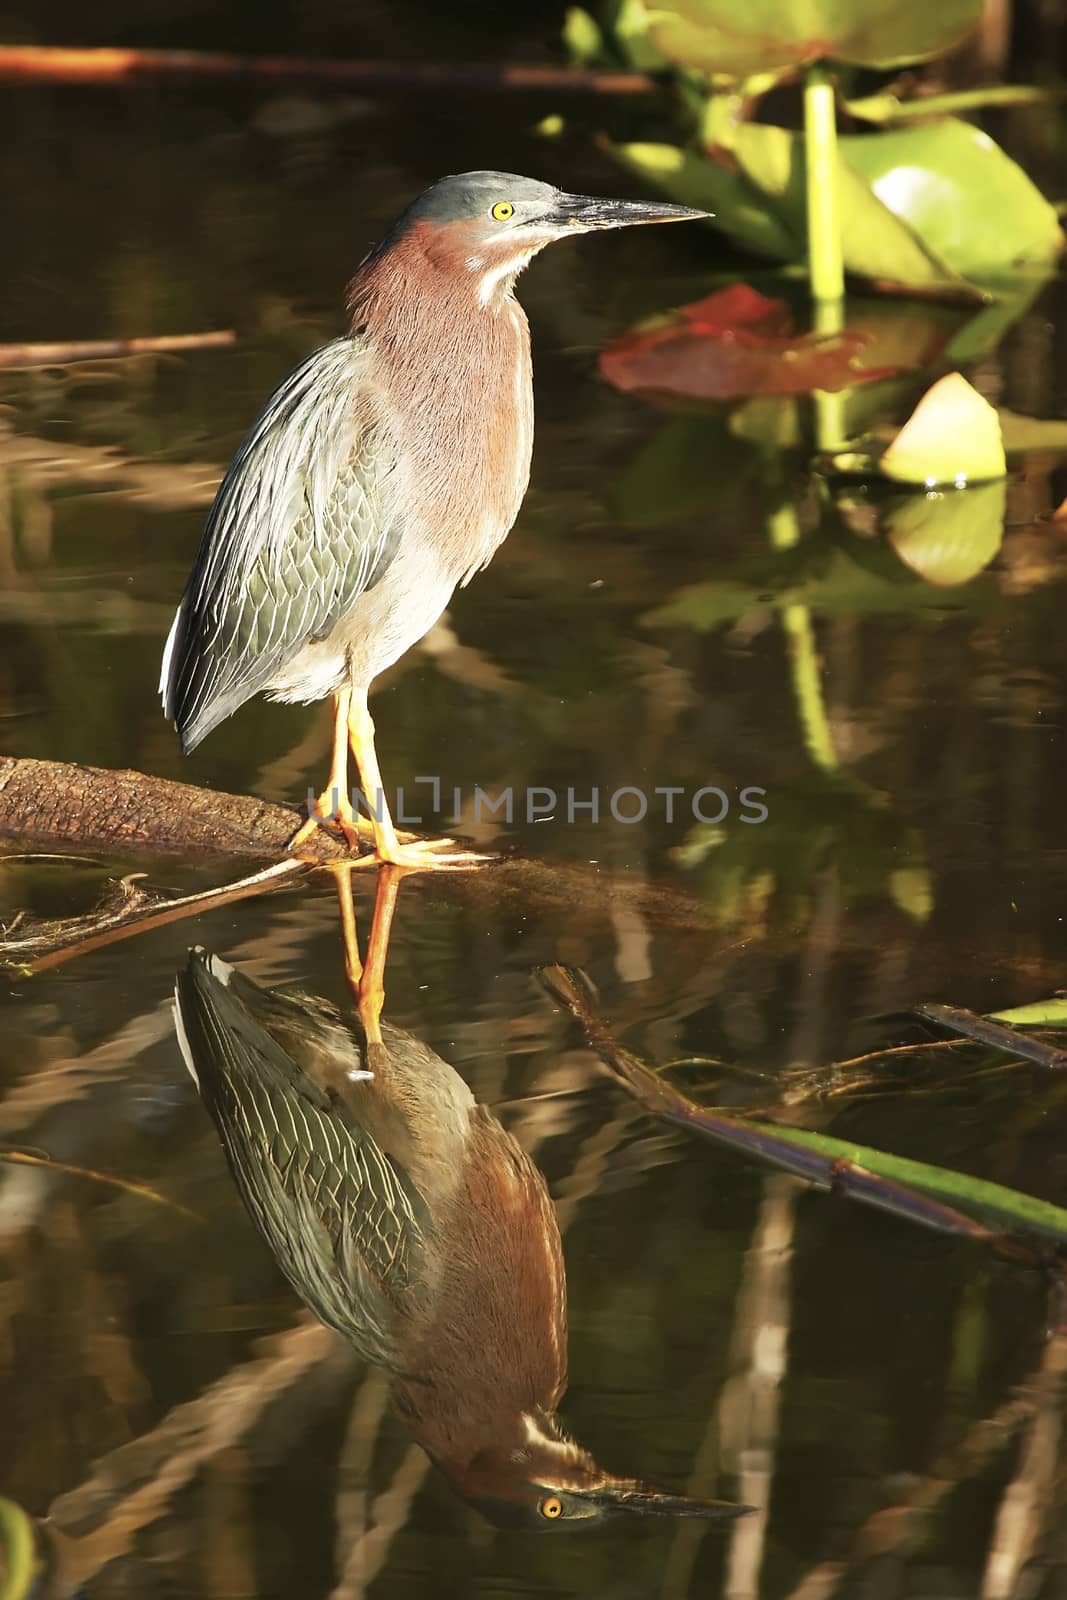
pixel 26 1159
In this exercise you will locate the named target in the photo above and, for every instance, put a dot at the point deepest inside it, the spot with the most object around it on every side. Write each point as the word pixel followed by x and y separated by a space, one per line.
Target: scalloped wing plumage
pixel 295 535
pixel 344 1222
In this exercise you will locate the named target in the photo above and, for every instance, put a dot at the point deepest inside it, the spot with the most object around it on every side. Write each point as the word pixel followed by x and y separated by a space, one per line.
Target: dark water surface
pixel 730 1332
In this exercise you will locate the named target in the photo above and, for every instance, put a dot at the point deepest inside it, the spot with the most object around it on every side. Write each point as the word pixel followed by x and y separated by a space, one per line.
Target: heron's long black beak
pixel 585 211
pixel 625 1496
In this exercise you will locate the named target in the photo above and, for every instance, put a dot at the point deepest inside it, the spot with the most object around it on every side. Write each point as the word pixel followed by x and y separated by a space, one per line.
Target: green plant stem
pixel 831 434
pixel 825 261
pixel 783 531
pixel 807 687
pixel 886 108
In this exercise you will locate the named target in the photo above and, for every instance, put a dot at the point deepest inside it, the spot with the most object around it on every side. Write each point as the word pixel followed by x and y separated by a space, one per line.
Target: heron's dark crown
pixel 468 196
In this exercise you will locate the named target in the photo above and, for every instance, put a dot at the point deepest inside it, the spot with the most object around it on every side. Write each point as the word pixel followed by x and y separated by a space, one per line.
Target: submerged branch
pixel 39 946
pixel 1001 1035
pixel 58 64
pixel 1017 1225
pixel 51 354
pixel 27 1158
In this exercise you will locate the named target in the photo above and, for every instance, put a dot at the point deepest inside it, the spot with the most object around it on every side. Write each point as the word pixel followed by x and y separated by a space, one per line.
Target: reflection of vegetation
pixel 758 875
pixel 19 1560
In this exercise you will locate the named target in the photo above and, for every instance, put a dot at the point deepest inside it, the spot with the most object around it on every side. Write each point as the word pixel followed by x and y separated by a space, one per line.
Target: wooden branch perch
pixel 129 812
pixel 58 806
pixel 53 64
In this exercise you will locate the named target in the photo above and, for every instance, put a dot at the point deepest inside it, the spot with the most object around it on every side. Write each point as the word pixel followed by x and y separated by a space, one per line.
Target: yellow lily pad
pixel 952 436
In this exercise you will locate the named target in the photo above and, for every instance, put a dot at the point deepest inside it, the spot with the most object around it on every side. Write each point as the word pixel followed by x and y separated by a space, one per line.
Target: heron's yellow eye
pixel 503 211
pixel 551 1508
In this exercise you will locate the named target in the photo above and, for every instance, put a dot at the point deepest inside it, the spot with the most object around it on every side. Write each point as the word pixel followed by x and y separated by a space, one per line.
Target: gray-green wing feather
pixel 344 1222
pixel 295 535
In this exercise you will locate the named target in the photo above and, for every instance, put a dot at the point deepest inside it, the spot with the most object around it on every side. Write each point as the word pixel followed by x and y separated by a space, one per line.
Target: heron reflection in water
pixel 414 1225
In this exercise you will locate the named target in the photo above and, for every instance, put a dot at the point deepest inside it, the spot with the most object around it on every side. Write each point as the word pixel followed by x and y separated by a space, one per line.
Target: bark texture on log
pixel 124 812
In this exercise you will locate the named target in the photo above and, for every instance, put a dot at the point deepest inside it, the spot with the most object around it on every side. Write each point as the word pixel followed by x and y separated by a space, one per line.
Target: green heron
pixel 413 1225
pixel 382 473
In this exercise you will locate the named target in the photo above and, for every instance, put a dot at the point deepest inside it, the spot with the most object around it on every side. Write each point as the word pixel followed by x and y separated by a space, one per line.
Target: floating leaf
pixel 867 580
pixel 734 342
pixel 728 39
pixel 1041 1014
pixel 971 205
pixel 952 436
pixel 741 343
pixel 990 1203
pixel 948 535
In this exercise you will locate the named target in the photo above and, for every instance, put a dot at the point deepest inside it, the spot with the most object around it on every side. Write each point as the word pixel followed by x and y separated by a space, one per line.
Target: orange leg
pixel 367 978
pixel 372 981
pixel 421 855
pixel 335 802
pixel 353 960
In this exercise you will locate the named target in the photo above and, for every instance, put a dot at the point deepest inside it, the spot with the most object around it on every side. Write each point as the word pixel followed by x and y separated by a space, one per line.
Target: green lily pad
pixel 757 191
pixel 739 208
pixel 629 24
pixel 691 463
pixel 933 207
pixel 875 242
pixel 971 205
pixel 731 40
pixel 1041 1014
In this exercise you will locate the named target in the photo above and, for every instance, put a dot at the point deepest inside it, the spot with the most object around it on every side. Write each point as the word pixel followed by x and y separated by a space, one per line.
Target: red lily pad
pixel 738 342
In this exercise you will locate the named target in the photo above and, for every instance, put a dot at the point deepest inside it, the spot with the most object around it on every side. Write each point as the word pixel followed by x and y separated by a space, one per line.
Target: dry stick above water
pixel 58 64
pixel 56 353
